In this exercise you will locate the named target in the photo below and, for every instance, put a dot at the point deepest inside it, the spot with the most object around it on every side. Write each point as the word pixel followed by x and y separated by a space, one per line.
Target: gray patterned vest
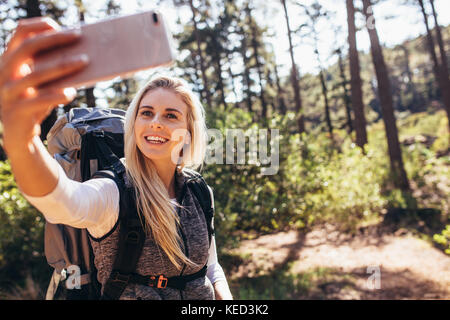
pixel 154 261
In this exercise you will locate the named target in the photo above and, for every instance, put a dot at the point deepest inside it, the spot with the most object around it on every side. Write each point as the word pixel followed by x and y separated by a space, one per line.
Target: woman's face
pixel 162 116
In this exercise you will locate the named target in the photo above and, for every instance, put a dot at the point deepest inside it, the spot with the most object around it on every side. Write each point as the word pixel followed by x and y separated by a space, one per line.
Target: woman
pixel 164 132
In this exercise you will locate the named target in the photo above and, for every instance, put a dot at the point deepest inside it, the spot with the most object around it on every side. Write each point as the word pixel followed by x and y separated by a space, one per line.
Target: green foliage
pixel 444 239
pixel 322 179
pixel 318 180
pixel 336 184
pixel 21 234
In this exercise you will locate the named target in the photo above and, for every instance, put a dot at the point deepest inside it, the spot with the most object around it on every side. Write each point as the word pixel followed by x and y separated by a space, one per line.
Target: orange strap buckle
pixel 162 282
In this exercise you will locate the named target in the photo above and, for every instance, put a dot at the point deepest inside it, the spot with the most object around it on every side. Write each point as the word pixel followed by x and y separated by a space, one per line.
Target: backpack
pixel 89 143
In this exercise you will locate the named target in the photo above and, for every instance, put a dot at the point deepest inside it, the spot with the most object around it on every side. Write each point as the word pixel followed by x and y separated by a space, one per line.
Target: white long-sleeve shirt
pixel 94 205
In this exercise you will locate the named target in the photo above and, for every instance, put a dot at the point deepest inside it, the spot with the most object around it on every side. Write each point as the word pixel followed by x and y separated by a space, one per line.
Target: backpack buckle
pixel 162 282
pixel 63 274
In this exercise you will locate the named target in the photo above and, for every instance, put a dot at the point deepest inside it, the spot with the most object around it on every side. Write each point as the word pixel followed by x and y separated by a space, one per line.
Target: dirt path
pixel 347 267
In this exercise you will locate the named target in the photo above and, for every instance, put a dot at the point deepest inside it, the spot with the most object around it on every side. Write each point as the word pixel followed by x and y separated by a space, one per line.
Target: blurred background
pixel 360 93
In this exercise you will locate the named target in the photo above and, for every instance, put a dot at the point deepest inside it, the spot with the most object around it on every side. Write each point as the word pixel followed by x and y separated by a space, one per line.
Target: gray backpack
pixel 83 141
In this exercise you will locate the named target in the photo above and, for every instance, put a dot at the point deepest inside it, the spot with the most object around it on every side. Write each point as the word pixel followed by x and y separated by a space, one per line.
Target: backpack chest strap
pixel 160 281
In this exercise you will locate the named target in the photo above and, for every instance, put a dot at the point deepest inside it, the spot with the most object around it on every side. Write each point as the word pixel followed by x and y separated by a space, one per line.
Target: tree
pixel 355 79
pixel 89 96
pixel 294 75
pixel 200 54
pixel 256 43
pixel 280 92
pixel 384 91
pixel 443 68
pixel 314 13
pixel 411 86
pixel 441 78
pixel 440 41
pixel 346 97
pixel 33 9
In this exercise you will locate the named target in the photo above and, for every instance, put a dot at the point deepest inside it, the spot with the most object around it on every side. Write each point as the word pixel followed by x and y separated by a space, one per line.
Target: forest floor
pixel 327 264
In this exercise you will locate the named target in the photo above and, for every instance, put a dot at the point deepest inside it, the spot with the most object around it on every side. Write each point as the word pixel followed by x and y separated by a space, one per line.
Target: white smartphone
pixel 115 47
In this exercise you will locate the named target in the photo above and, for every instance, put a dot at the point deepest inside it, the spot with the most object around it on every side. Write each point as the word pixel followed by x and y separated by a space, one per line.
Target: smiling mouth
pixel 156 140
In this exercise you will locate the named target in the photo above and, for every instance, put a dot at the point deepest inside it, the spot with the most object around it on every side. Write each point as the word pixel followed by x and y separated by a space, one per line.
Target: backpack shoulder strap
pixel 131 239
pixel 201 191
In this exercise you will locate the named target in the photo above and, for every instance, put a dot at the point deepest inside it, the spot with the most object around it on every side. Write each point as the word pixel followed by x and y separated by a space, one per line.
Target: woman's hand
pixel 24 105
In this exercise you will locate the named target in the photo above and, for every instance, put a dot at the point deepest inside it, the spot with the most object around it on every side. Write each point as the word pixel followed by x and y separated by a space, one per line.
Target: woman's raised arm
pixel 24 105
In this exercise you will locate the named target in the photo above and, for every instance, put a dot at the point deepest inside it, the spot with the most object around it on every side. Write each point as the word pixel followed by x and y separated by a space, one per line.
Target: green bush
pixel 444 239
pixel 318 180
pixel 21 235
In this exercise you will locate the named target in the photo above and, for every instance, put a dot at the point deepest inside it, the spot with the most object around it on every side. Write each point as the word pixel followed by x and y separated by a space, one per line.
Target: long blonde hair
pixel 153 201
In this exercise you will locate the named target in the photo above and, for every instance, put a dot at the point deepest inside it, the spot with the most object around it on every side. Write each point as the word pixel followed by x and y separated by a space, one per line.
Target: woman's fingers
pixel 33 45
pixel 44 101
pixel 15 89
pixel 27 27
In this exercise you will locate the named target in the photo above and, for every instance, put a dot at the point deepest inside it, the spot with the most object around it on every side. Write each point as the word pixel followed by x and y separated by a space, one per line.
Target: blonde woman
pixel 165 134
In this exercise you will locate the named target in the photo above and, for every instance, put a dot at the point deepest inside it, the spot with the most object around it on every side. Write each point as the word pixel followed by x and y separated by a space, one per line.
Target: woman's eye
pixel 146 113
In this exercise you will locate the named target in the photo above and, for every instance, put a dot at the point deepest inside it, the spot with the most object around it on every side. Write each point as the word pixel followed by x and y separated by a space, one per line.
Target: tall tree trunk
pixel 255 45
pixel 233 87
pixel 384 90
pixel 346 96
pixel 327 105
pixel 217 60
pixel 417 99
pixel 88 92
pixel 246 74
pixel 440 40
pixel 294 77
pixel 437 69
pixel 355 80
pixel 444 62
pixel 33 10
pixel 90 97
pixel 280 92
pixel 200 55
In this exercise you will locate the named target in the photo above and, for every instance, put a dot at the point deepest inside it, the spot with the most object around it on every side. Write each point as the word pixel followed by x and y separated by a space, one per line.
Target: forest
pixel 363 137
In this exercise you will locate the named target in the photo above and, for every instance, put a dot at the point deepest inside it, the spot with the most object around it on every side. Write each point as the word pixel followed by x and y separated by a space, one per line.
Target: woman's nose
pixel 155 123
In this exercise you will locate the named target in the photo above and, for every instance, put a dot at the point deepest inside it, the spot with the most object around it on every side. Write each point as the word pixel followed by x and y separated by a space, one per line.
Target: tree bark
pixel 440 41
pixel 280 92
pixel 355 81
pixel 88 92
pixel 255 45
pixel 200 55
pixel 417 99
pixel 246 74
pixel 346 96
pixel 327 105
pixel 33 10
pixel 437 69
pixel 444 63
pixel 294 77
pixel 217 60
pixel 384 90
